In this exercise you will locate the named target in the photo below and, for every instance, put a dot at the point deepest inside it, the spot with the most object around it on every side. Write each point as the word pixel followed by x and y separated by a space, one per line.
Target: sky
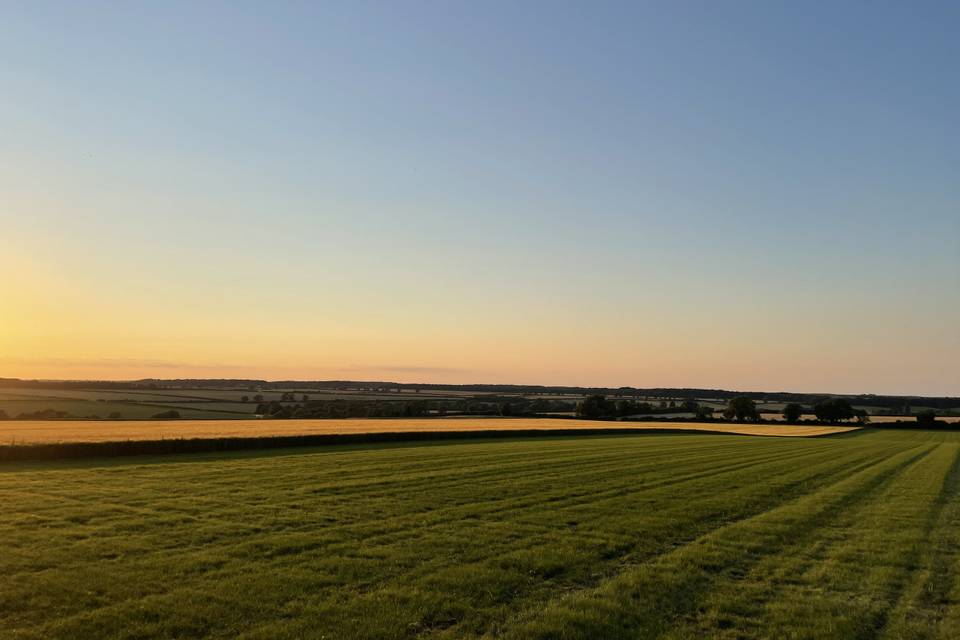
pixel 742 195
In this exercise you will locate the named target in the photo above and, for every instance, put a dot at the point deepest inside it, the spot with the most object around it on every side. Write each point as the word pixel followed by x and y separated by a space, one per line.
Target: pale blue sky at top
pixel 759 195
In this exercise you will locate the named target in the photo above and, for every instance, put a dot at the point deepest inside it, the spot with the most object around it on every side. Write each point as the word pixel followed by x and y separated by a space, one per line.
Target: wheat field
pixel 50 431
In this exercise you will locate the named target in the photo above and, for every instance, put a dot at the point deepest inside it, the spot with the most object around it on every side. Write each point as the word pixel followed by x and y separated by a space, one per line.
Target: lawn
pixel 634 536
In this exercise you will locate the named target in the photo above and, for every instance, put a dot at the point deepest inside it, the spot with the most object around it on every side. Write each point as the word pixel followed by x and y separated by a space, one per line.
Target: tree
pixel 690 405
pixel 258 398
pixel 927 418
pixel 116 415
pixel 625 407
pixel 304 398
pixel 593 407
pixel 704 412
pixel 173 414
pixel 3 415
pixel 506 409
pixel 741 408
pixel 834 410
pixel 244 398
pixel 792 411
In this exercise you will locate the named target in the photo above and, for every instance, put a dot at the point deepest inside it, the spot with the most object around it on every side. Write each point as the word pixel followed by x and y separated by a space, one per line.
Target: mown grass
pixel 677 536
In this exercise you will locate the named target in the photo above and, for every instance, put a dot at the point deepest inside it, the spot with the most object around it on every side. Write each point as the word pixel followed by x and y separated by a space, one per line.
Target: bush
pixel 593 407
pixel 172 414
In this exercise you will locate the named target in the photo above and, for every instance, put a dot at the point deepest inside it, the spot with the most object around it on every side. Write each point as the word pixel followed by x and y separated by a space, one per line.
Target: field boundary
pixel 73 450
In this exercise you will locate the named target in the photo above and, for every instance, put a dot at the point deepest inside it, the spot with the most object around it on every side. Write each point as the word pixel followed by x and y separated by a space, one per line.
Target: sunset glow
pixel 431 208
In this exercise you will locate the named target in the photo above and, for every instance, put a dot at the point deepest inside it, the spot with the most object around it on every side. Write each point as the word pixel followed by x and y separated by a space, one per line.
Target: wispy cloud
pixel 112 363
pixel 406 369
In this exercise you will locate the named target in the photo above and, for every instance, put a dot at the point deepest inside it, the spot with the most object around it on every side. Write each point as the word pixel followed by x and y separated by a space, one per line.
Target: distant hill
pixel 885 401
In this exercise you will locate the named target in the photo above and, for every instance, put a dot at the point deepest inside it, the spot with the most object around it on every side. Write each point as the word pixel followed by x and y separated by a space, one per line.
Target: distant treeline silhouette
pixel 487 405
pixel 890 402
pixel 739 408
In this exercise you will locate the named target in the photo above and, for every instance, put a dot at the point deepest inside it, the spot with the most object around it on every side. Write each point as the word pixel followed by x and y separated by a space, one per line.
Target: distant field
pixel 873 419
pixel 191 403
pixel 883 419
pixel 81 408
pixel 36 431
pixel 72 394
pixel 134 405
pixel 639 536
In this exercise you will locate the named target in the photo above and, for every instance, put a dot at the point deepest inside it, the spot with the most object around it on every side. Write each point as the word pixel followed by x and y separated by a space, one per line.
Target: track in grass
pixel 677 536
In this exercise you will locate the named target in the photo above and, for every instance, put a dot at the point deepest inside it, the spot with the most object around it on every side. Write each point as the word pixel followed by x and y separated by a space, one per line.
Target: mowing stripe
pixel 644 601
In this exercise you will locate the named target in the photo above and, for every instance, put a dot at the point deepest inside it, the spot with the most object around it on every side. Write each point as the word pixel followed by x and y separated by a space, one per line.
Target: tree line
pixel 739 408
pixel 893 403
pixel 342 408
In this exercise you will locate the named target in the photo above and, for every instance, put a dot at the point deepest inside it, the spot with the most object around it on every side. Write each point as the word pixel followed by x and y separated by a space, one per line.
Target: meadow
pixel 627 536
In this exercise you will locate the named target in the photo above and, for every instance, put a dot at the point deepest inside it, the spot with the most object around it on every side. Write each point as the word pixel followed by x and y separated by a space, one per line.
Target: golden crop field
pixel 46 431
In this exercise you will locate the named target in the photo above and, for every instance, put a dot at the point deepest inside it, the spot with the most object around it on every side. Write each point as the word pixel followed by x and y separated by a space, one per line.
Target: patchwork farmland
pixel 633 536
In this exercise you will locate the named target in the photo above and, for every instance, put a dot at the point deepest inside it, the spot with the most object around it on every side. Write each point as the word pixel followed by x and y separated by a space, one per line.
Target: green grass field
pixel 680 536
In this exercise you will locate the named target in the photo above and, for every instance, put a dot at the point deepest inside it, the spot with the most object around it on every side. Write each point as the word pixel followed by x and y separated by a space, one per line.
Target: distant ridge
pixel 888 401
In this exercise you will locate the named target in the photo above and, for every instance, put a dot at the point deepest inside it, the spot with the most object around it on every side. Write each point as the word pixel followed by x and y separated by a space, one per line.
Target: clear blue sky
pixel 754 195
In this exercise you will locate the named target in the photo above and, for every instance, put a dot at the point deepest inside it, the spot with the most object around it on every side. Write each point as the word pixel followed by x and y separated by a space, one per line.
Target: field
pixel 673 536
pixel 219 403
pixel 40 431
pixel 130 405
pixel 197 403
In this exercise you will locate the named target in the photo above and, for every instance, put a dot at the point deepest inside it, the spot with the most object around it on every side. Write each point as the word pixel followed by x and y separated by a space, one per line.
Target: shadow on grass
pixel 140 452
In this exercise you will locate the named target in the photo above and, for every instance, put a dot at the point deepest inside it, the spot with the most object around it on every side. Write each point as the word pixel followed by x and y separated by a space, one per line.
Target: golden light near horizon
pixel 298 233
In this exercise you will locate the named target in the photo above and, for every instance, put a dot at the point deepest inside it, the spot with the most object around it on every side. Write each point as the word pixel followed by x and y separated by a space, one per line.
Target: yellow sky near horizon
pixel 63 323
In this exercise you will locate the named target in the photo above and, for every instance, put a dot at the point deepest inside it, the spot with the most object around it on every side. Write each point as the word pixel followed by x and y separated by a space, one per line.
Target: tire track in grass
pixel 417 530
pixel 921 612
pixel 227 488
pixel 647 600
pixel 215 577
pixel 869 562
pixel 410 527
pixel 293 476
pixel 839 581
pixel 948 626
pixel 437 583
